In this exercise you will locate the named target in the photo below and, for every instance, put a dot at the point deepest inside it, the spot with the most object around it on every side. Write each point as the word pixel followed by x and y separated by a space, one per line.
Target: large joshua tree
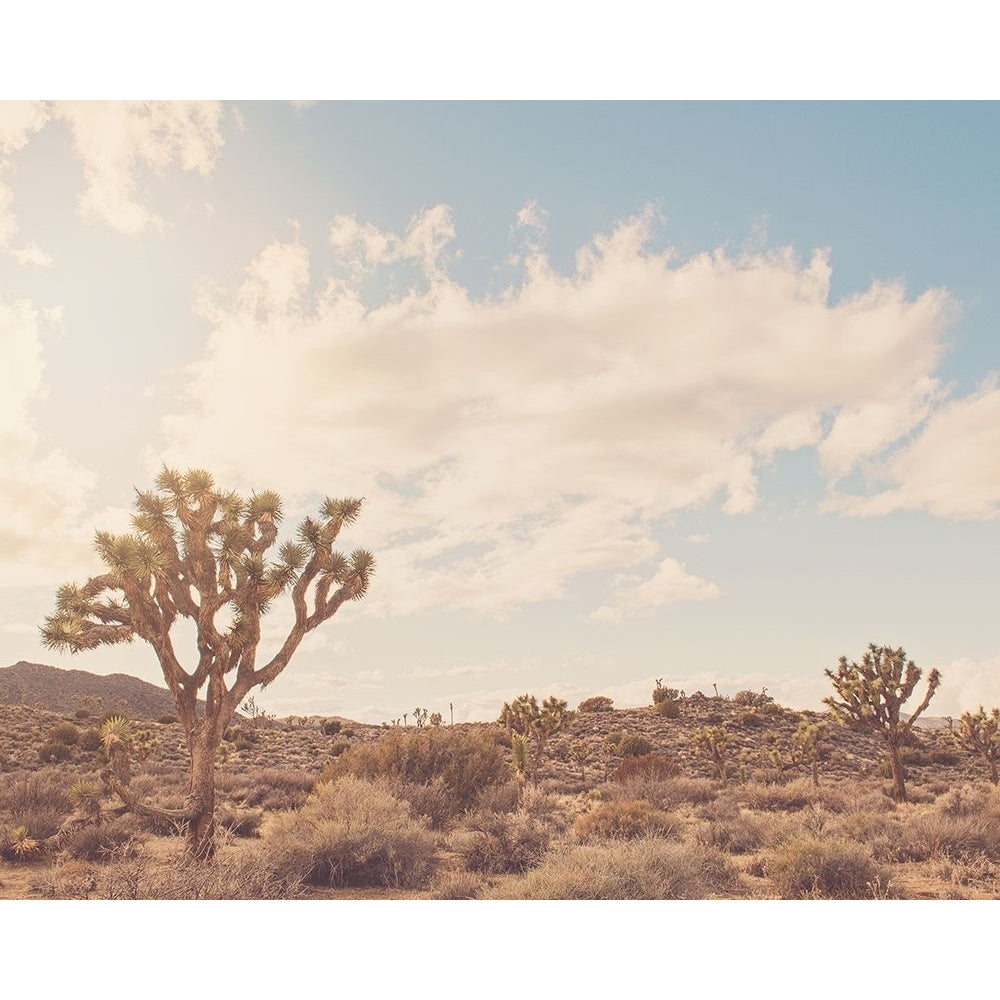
pixel 872 693
pixel 202 554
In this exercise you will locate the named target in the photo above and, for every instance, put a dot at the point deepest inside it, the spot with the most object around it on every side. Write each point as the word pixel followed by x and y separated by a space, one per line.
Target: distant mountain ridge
pixel 64 691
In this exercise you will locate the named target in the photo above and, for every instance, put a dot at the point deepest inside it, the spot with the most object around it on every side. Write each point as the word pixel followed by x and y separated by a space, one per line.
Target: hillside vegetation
pixel 713 798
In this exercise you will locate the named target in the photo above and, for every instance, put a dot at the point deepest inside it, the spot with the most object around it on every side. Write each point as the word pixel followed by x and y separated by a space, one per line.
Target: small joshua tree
pixel 666 700
pixel 713 742
pixel 808 745
pixel 871 695
pixel 979 733
pixel 205 555
pixel 524 717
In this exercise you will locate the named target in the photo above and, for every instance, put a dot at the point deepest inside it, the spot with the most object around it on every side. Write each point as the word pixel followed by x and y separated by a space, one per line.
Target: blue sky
pixel 689 390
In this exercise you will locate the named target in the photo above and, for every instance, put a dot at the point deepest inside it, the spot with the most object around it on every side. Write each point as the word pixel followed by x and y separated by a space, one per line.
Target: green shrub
pixel 635 869
pixel 599 703
pixel 53 752
pixel 464 761
pixel 625 820
pixel 496 843
pixel 813 868
pixel 351 832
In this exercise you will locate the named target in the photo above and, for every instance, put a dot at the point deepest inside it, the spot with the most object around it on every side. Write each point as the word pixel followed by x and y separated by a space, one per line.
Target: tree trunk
pixel 200 802
pixel 994 777
pixel 898 786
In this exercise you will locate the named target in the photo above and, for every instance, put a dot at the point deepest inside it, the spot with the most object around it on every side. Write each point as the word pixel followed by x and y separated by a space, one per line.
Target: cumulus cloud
pixel 951 469
pixel 113 140
pixel 670 584
pixel 41 489
pixel 506 445
pixel 19 120
pixel 32 255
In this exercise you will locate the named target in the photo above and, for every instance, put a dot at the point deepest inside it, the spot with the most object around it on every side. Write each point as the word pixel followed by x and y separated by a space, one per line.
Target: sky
pixel 698 391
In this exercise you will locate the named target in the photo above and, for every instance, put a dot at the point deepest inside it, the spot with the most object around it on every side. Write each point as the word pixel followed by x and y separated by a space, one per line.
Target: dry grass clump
pixel 351 832
pixel 273 789
pixel 625 820
pixel 116 838
pixel 790 796
pixel 730 829
pixel 668 794
pixel 456 885
pixel 929 834
pixel 233 875
pixel 811 867
pixel 634 869
pixel 33 804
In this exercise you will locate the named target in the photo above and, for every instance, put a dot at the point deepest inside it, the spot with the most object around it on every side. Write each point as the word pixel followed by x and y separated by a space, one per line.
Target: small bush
pixel 636 869
pixel 456 885
pixel 629 744
pixel 645 768
pixel 82 713
pixel 92 843
pixel 494 843
pixel 351 832
pixel 668 709
pixel 599 703
pixel 814 868
pixel 53 752
pixel 625 820
pixel 90 740
pixel 238 821
pixel 331 727
pixel 65 732
pixel 168 720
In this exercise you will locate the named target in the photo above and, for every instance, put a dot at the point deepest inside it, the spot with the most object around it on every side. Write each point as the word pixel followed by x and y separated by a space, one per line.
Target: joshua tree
pixel 872 694
pixel 808 745
pixel 713 742
pixel 979 733
pixel 202 554
pixel 524 717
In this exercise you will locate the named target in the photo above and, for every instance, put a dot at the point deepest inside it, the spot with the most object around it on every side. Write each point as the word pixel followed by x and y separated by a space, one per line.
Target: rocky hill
pixel 64 691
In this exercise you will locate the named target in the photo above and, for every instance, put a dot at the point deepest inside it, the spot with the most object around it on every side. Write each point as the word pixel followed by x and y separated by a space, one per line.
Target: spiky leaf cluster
pixel 873 691
pixel 979 733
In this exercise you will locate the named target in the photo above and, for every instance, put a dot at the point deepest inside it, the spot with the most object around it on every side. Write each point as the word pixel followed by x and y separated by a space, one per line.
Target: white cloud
pixel 951 469
pixel 19 120
pixel 507 445
pixel 965 685
pixel 670 584
pixel 42 491
pixel 32 255
pixel 113 140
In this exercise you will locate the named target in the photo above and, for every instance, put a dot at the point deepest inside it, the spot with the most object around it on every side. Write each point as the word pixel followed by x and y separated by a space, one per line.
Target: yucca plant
pixel 22 844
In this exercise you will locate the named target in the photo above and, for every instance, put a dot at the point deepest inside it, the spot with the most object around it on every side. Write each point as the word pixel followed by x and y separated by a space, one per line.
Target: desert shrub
pixel 969 800
pixel 727 827
pixel 667 794
pixel 45 789
pixel 53 752
pixel 465 761
pixel 629 744
pixel 167 720
pixel 645 768
pixel 494 843
pixel 635 869
pixel 795 795
pixel 456 885
pixel 501 798
pixel 599 703
pixel 752 720
pixel 272 789
pixel 338 747
pixel 662 694
pixel 829 868
pixel 668 709
pixel 240 822
pixel 432 801
pixel 131 875
pixel 93 842
pixel 929 834
pixel 625 820
pixel 65 732
pixel 90 740
pixel 331 727
pixel 752 699
pixel 82 713
pixel 351 832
